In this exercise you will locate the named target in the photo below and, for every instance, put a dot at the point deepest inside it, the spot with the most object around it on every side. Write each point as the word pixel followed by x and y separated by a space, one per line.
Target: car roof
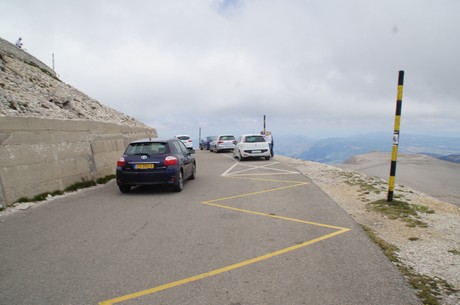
pixel 251 135
pixel 152 140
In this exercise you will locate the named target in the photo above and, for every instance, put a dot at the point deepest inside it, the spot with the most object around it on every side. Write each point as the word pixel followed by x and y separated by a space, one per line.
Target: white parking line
pixel 256 167
pixel 231 167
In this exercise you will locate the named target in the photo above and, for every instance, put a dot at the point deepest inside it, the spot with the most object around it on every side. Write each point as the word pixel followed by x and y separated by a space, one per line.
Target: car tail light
pixel 190 140
pixel 234 142
pixel 220 142
pixel 121 162
pixel 170 160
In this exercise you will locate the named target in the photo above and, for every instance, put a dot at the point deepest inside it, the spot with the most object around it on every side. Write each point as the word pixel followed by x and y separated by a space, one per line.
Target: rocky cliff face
pixel 29 88
pixel 52 135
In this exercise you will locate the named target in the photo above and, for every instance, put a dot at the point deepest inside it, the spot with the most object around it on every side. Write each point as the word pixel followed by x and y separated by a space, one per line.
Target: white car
pixel 251 146
pixel 224 142
pixel 186 140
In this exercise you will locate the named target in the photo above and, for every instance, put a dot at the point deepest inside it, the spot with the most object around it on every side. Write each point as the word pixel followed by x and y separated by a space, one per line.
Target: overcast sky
pixel 315 68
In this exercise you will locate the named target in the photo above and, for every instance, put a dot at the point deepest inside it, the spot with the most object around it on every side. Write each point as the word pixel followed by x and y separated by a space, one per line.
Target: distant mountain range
pixel 337 150
pixel 451 158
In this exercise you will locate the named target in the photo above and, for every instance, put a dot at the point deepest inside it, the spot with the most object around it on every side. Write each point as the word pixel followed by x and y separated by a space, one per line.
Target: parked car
pixel 155 161
pixel 204 143
pixel 186 139
pixel 223 143
pixel 251 146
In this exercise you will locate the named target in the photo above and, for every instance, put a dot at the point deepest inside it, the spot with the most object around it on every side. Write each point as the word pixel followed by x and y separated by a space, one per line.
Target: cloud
pixel 326 68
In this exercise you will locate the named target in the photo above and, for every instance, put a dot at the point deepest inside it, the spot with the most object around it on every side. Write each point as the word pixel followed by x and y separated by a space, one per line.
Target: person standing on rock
pixel 19 43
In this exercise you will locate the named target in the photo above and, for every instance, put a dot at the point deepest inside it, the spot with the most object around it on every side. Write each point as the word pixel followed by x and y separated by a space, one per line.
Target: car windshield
pixel 146 148
pixel 254 139
pixel 227 138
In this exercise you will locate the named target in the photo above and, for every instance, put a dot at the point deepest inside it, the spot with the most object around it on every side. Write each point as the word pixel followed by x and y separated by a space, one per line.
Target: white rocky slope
pixel 28 88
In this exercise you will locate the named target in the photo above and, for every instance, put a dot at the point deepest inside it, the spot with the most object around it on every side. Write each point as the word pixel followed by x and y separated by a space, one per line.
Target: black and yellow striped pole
pixel 394 152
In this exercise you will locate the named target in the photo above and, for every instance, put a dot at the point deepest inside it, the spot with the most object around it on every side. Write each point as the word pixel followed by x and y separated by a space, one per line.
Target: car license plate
pixel 256 151
pixel 144 166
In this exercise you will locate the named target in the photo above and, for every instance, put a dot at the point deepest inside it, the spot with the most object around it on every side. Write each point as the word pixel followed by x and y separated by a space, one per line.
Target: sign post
pixel 394 152
pixel 264 125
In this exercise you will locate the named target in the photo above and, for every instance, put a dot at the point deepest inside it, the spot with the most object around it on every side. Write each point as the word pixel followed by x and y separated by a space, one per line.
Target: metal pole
pixel 53 61
pixel 264 125
pixel 394 152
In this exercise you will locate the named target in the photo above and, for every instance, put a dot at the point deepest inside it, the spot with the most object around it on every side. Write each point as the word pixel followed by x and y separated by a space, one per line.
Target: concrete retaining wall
pixel 43 155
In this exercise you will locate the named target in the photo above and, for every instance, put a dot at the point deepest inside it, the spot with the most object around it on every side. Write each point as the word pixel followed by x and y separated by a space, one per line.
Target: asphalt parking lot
pixel 252 232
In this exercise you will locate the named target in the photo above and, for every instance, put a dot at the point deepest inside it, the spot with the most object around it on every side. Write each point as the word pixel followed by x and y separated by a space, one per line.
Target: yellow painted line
pixel 253 193
pixel 340 230
pixel 219 271
pixel 297 183
pixel 276 216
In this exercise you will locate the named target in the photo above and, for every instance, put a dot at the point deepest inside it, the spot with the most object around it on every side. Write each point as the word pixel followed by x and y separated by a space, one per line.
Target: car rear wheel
pixel 179 186
pixel 192 176
pixel 267 158
pixel 240 156
pixel 124 188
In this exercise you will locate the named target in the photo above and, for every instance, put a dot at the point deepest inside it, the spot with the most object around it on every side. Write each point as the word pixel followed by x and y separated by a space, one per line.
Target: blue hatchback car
pixel 155 161
pixel 204 144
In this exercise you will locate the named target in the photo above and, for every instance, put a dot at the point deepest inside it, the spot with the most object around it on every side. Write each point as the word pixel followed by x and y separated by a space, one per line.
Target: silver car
pixel 224 142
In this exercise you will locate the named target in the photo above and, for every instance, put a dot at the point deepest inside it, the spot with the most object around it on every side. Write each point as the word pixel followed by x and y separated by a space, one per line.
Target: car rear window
pixel 183 137
pixel 227 138
pixel 254 139
pixel 149 148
